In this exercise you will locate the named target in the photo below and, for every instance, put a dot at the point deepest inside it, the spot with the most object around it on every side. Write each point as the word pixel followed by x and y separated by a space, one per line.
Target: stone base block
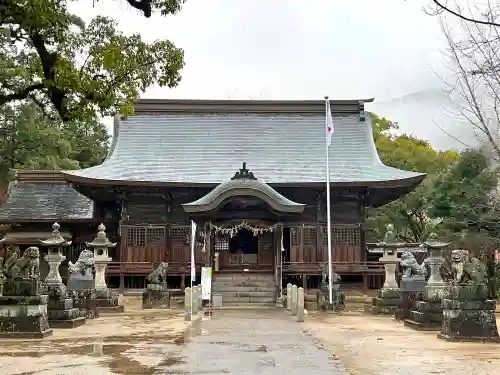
pixel 31 326
pixel 380 310
pixel 407 304
pixel 156 299
pixel 12 301
pixel 65 324
pixel 427 316
pixel 469 325
pixel 386 303
pixel 21 287
pixel 86 303
pixel 69 314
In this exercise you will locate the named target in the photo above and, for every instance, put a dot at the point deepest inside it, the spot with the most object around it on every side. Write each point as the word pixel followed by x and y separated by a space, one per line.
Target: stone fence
pixel 295 302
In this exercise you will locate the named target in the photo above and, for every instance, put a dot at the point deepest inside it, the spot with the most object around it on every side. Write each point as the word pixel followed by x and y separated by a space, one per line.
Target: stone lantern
pixel 100 245
pixel 54 257
pixel 388 297
pixel 106 300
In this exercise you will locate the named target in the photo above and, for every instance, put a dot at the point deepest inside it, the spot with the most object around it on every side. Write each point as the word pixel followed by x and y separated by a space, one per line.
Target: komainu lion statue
pixel 83 266
pixel 410 266
pixel 159 274
pixel 27 266
pixel 466 269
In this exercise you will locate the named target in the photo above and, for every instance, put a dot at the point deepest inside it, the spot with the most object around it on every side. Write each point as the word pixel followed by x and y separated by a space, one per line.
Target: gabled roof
pixel 45 197
pixel 202 142
pixel 243 184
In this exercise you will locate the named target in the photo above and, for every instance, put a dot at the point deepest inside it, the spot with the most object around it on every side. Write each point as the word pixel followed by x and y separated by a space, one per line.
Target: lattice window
pixel 156 236
pixel 309 236
pixel 295 234
pixel 346 236
pixel 179 234
pixel 136 237
pixel 221 242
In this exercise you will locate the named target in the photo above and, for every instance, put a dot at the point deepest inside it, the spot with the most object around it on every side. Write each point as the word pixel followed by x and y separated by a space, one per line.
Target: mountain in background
pixel 423 114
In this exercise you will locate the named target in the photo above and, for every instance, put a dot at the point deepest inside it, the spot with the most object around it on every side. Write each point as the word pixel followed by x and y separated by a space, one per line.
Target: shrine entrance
pixel 243 249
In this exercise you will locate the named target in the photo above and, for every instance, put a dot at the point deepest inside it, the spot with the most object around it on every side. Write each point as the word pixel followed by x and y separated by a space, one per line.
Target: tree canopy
pixel 408 214
pixel 30 140
pixel 77 71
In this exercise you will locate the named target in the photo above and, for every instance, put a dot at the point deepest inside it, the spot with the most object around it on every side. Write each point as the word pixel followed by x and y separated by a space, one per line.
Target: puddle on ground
pixel 144 353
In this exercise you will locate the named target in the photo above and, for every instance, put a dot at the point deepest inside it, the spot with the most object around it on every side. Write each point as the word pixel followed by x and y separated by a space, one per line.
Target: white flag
pixel 193 242
pixel 329 124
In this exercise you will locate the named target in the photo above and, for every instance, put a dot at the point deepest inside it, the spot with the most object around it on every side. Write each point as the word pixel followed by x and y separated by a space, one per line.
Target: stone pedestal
pixel 407 304
pixel 155 297
pixel 107 301
pixel 85 301
pixel 24 316
pixel 468 314
pixel 428 314
pixel 386 302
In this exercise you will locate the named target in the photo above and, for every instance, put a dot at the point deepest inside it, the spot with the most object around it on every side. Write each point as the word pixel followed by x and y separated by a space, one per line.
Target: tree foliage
pixel 408 214
pixel 79 71
pixel 29 140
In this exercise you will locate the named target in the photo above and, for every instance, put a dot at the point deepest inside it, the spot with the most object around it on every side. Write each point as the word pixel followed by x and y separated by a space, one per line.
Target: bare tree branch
pixel 444 7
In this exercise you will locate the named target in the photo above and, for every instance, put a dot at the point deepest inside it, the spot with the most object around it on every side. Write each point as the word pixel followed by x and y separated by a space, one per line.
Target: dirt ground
pixel 372 345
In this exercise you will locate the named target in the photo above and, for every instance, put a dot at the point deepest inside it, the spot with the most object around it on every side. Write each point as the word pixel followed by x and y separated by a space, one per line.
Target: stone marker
pixel 289 297
pixel 23 310
pixel 81 284
pixel 388 297
pixel 412 285
pixel 106 300
pixel 294 300
pixel 468 313
pixel 187 304
pixel 60 308
pixel 156 295
pixel 428 314
pixel 300 304
pixel 200 297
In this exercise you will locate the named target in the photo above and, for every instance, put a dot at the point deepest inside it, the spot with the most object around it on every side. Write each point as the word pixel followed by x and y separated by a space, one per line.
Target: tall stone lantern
pixel 388 297
pixel 106 300
pixel 54 257
pixel 100 245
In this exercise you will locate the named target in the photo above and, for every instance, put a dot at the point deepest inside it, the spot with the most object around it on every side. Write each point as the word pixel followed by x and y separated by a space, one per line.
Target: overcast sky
pixel 292 49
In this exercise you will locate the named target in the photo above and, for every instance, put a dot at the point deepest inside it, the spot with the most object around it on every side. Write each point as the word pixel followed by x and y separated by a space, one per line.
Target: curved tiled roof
pixel 244 187
pixel 205 148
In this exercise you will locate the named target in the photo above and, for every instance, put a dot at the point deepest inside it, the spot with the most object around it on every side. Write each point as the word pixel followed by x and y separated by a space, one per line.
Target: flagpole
pixel 328 217
pixel 193 266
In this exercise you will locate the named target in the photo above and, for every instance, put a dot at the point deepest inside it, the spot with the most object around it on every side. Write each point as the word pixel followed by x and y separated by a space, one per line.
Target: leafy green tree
pixel 79 71
pixel 409 213
pixel 30 140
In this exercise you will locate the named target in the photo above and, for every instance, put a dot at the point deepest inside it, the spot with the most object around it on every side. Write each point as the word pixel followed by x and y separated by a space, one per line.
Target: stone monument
pixel 60 309
pixel 428 314
pixel 105 299
pixel 468 313
pixel 411 285
pixel 338 297
pixel 81 284
pixel 388 297
pixel 156 295
pixel 23 310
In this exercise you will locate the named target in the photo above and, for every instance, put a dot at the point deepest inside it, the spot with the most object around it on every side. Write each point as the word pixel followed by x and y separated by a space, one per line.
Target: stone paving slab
pixel 252 342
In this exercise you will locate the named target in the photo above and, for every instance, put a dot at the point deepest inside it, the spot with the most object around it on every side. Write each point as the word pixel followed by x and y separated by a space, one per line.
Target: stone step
pixel 246 284
pixel 246 305
pixel 237 293
pixel 242 301
pixel 243 289
pixel 243 277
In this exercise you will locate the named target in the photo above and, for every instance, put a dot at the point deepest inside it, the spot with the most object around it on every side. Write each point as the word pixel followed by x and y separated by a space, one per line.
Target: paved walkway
pixel 252 342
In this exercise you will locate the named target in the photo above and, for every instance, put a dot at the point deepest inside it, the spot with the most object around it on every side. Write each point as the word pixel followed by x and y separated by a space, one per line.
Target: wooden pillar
pixel 365 282
pixel 304 281
pixel 122 279
pixel 183 281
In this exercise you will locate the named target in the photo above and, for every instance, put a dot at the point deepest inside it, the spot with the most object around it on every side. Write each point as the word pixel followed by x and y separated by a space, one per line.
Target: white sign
pixel 206 283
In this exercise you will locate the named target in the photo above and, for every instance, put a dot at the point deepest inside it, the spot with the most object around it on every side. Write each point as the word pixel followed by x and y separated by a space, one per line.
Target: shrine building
pixel 251 174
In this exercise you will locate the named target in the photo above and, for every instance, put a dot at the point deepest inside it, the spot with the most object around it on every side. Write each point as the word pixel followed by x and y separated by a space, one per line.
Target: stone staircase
pixel 242 289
